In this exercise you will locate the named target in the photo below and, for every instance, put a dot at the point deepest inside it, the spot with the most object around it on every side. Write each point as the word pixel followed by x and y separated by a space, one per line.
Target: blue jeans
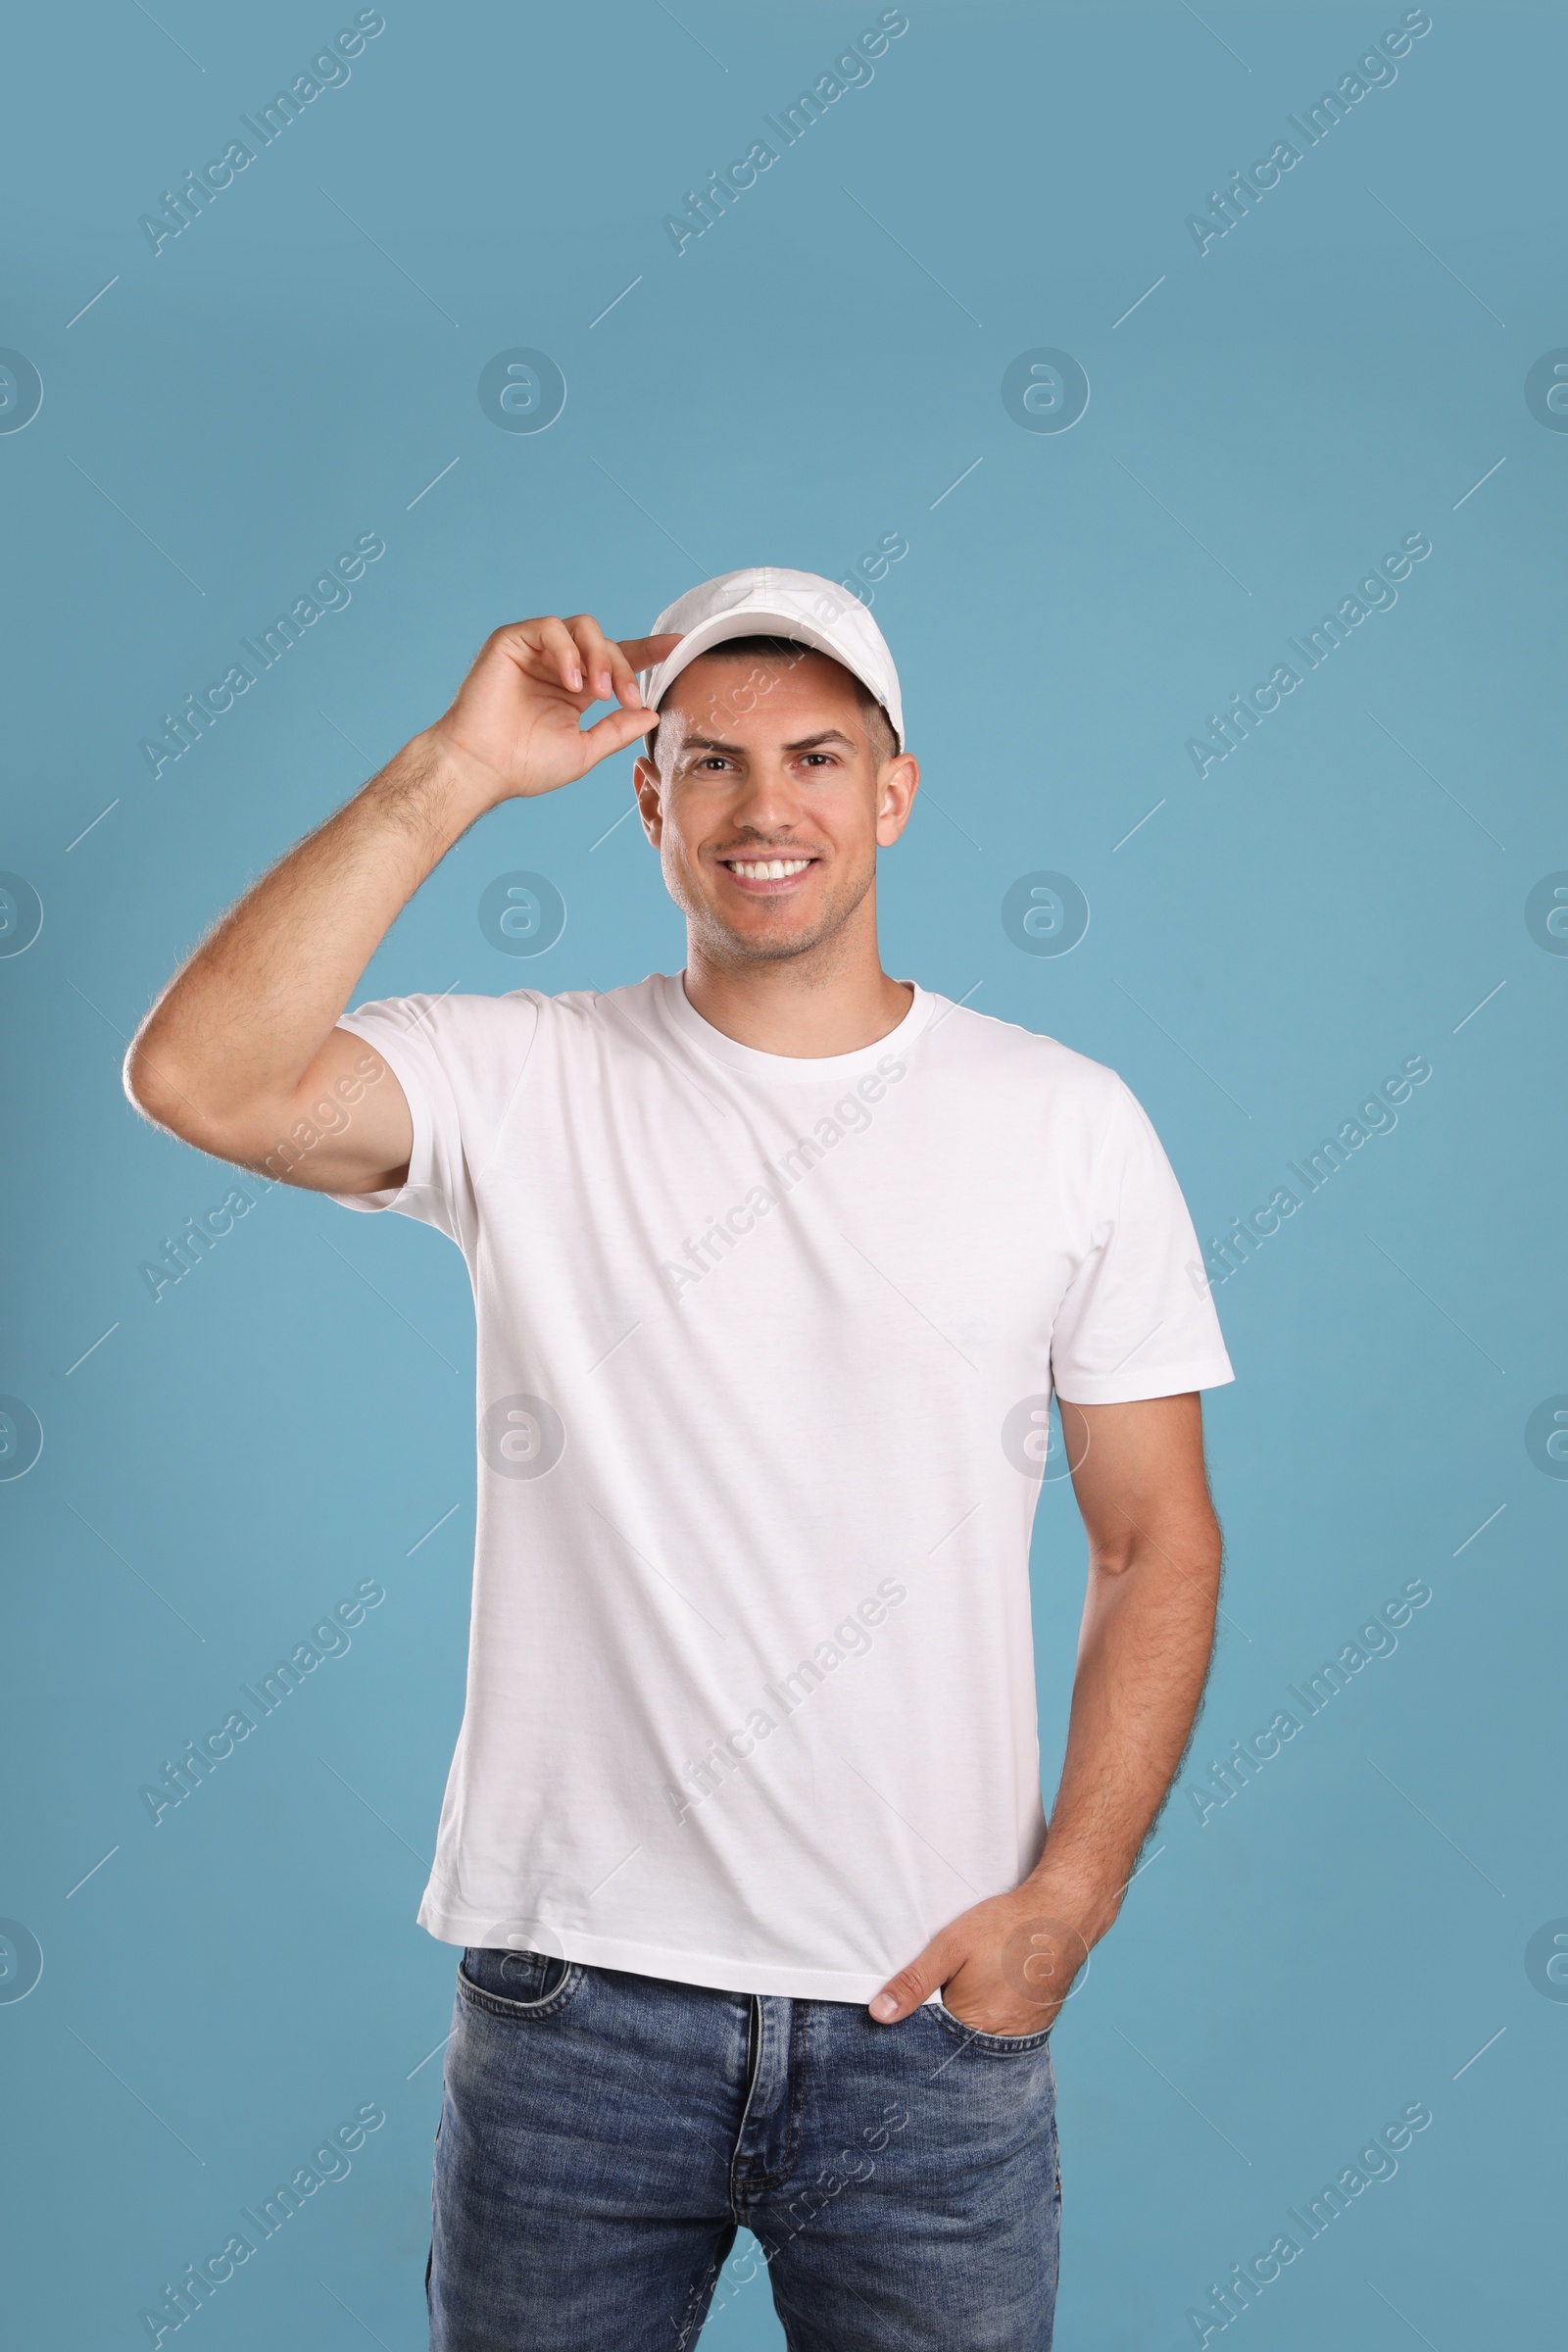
pixel 604 2135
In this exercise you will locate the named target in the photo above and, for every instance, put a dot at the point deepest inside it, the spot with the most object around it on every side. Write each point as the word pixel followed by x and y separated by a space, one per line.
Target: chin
pixel 764 931
pixel 766 942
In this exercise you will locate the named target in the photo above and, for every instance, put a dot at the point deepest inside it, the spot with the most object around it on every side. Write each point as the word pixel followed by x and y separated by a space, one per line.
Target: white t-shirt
pixel 764 1351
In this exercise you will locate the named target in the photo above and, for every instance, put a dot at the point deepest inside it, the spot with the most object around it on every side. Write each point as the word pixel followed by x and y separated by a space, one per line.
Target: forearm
pixel 243 1037
pixel 1144 1652
pixel 234 1035
pixel 1005 1965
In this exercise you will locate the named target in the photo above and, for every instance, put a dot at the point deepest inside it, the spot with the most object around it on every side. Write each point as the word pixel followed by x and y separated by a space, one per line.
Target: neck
pixel 833 998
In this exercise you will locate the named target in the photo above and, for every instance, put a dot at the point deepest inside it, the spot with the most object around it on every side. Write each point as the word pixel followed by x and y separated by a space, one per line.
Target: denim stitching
pixel 747 2180
pixel 493 2004
pixel 739 2172
pixel 1003 2046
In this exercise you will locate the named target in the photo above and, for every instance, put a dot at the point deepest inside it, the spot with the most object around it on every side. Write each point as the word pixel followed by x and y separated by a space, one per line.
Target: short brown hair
pixel 878 725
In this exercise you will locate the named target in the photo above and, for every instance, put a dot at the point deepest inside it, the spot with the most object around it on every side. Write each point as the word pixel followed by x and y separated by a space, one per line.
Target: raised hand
pixel 514 725
pixel 244 1040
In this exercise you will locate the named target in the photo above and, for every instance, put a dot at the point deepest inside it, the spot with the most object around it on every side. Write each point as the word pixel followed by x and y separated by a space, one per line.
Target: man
pixel 775 1263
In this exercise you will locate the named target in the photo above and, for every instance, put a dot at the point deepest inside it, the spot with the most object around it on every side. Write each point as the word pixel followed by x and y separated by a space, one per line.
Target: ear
pixel 650 799
pixel 896 787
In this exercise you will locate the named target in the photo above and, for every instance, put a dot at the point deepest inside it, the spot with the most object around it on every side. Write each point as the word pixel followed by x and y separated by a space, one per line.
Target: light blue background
pixel 812 374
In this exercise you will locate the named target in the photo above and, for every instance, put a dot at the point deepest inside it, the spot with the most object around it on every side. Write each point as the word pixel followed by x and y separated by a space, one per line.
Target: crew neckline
pixel 788 1069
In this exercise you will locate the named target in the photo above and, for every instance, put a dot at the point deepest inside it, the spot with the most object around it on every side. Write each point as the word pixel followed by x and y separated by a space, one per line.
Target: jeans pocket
pixel 1002 2046
pixel 515 1985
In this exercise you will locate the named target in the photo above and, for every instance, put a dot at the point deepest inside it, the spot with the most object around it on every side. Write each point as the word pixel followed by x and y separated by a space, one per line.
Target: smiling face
pixel 775 787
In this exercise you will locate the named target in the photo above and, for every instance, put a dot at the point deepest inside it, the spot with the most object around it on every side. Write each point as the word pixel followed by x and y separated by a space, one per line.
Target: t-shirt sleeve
pixel 458 1060
pixel 1138 1319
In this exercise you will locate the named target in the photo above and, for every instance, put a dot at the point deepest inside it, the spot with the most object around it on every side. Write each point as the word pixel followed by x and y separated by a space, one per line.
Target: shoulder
pixel 1005 1052
pixel 499 1019
pixel 592 1020
pixel 588 1008
pixel 1025 1093
pixel 446 1024
pixel 471 1033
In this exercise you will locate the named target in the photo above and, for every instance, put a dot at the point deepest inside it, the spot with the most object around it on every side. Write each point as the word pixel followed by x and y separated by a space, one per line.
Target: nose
pixel 766 801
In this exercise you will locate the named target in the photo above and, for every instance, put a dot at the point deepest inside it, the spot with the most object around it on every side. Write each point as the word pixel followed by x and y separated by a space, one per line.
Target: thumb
pixel 613 733
pixel 903 1994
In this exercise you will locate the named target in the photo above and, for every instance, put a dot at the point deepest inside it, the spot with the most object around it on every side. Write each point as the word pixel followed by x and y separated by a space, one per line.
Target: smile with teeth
pixel 766 870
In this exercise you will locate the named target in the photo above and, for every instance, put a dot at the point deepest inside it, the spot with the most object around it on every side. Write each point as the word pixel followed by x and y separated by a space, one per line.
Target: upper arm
pixel 348 1127
pixel 1138 1472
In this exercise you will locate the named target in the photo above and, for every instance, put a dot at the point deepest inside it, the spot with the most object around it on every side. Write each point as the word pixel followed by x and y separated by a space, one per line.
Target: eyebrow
pixel 802 743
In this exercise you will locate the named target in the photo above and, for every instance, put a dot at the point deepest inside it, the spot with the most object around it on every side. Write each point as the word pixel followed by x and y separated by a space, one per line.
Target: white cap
pixel 764 602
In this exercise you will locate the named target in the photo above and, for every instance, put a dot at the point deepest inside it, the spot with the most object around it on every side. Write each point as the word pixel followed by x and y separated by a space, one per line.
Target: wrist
pixel 1075 1890
pixel 432 795
pixel 455 776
